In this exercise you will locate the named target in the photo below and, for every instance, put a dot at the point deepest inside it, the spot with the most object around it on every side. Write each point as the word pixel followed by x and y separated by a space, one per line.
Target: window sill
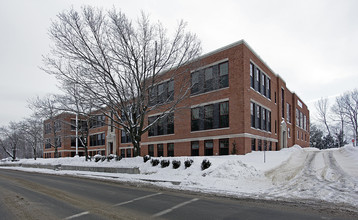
pixel 216 90
pixel 215 129
pixel 164 135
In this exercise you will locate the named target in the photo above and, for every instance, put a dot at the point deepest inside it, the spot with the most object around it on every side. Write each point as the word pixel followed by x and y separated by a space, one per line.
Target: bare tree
pixel 118 63
pixel 322 111
pixel 11 139
pixel 48 108
pixel 338 116
pixel 82 107
pixel 32 128
pixel 348 104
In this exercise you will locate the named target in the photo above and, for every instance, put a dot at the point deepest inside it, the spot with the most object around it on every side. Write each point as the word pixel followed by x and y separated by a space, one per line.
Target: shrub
pixel 205 164
pixel 118 158
pixel 97 157
pixel 164 163
pixel 154 162
pixel 146 158
pixel 103 158
pixel 176 164
pixel 188 163
pixel 110 157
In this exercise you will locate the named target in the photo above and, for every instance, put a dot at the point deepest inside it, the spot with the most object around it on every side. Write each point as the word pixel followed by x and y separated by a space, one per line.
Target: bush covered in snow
pixel 164 163
pixel 154 162
pixel 205 164
pixel 176 164
pixel 188 163
pixel 97 157
pixel 146 158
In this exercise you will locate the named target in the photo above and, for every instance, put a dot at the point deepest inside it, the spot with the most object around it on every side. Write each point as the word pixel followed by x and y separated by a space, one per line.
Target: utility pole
pixel 76 134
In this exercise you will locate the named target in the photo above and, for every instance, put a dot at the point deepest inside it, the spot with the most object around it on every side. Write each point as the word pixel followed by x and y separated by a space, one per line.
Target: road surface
pixel 25 195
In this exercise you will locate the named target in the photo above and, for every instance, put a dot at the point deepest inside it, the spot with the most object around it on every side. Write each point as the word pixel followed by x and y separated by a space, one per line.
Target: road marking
pixel 77 215
pixel 139 198
pixel 174 207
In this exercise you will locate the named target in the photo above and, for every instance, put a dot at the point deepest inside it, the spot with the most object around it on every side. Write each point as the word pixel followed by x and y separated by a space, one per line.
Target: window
pixel 195 82
pixel 263 84
pixel 170 123
pixel 259 81
pixel 210 78
pixel 151 150
pixel 163 126
pixel 288 132
pixel 161 93
pixel 288 113
pixel 275 98
pixel 97 139
pixel 208 117
pixel 123 153
pixel 253 144
pixel 252 109
pixel 58 142
pixel 80 142
pixel 160 126
pixel 125 138
pixel 129 152
pixel 170 149
pixel 258 117
pixel 160 152
pixel 252 77
pixel 224 115
pixel 264 122
pixel 97 121
pixel 270 146
pixel 48 143
pixel 151 129
pixel 47 128
pixel 298 135
pixel 224 146
pixel 224 75
pixel 275 127
pixel 268 120
pixel 170 94
pixel 195 148
pixel 265 145
pixel 259 145
pixel 283 102
pixel 195 119
pixel 209 145
pixel 57 126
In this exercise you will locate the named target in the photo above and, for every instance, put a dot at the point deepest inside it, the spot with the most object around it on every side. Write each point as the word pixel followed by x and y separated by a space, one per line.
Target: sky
pixel 311 44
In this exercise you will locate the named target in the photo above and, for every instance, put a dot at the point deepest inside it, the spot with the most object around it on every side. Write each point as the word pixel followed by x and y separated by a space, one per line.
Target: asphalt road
pixel 40 196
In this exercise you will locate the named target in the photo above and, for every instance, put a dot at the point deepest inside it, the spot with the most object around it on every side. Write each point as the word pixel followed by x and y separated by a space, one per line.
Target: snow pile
pixel 292 173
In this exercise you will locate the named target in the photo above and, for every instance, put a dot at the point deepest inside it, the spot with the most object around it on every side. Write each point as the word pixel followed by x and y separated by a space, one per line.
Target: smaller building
pixel 94 132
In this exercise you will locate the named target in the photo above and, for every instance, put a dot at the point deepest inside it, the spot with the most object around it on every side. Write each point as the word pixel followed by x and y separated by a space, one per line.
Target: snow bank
pixel 292 173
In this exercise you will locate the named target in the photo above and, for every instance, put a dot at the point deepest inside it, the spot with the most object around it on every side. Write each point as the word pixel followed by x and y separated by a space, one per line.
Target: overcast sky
pixel 311 44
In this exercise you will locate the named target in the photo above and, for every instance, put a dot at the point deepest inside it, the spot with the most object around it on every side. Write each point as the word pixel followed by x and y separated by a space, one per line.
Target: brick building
pixel 100 137
pixel 236 104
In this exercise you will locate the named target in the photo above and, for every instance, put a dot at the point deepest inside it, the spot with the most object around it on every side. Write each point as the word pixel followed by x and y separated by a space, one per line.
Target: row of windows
pixel 97 121
pixel 301 119
pixel 288 109
pixel 260 82
pixel 82 125
pixel 163 126
pixel 209 146
pixel 161 93
pixel 80 141
pixel 160 150
pixel 209 79
pixel 260 117
pixel 126 152
pixel 97 139
pixel 210 116
pixel 262 145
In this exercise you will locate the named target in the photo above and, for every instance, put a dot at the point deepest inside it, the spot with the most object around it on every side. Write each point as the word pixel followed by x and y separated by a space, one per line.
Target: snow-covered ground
pixel 293 173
